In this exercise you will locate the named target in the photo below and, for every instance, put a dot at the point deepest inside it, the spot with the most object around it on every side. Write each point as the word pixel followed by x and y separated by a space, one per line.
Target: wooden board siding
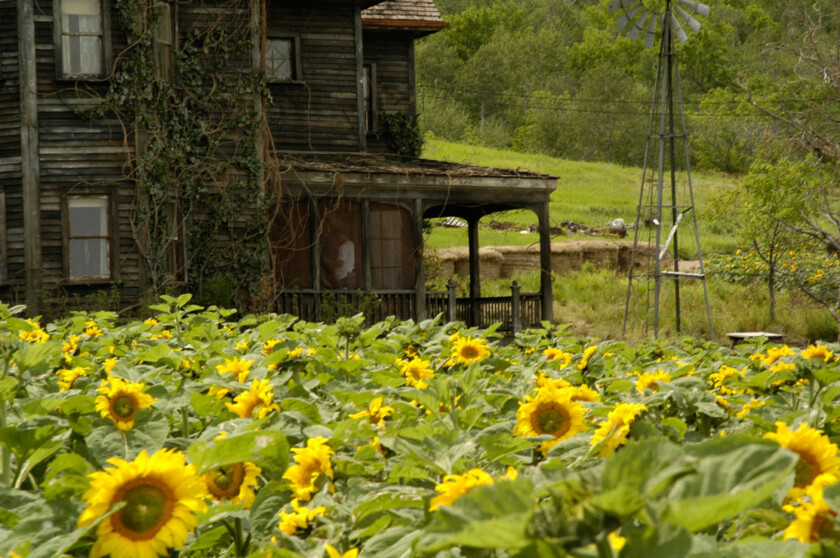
pixel 80 156
pixel 10 176
pixel 321 113
pixel 392 54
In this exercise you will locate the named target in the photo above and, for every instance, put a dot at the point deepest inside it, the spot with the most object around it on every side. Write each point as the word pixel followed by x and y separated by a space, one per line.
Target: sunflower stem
pixel 185 423
pixel 6 475
pixel 604 547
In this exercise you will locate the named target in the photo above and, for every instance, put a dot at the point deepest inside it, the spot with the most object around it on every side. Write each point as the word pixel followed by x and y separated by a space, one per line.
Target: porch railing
pixel 520 310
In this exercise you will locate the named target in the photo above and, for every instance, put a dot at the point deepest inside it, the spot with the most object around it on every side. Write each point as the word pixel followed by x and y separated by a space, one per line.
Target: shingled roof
pixel 416 15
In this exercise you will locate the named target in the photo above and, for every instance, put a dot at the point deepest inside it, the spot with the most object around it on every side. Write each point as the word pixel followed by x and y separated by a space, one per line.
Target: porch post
pixel 419 271
pixel 545 264
pixel 475 274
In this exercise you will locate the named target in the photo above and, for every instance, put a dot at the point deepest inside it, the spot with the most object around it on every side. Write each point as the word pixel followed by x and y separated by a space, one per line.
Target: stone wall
pixel 500 262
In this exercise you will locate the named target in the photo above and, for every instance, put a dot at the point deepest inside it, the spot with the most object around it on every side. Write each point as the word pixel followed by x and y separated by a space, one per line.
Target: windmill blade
pixel 678 30
pixel 695 7
pixel 638 26
pixel 687 19
pixel 616 5
pixel 650 36
pixel 627 16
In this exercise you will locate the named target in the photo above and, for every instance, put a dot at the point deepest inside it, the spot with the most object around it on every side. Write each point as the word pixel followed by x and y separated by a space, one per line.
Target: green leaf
pixel 677 424
pixel 154 354
pixel 660 540
pixel 38 357
pixel 733 474
pixel 405 498
pixel 7 387
pixel 502 444
pixel 67 477
pixel 149 433
pixel 264 446
pixel 490 516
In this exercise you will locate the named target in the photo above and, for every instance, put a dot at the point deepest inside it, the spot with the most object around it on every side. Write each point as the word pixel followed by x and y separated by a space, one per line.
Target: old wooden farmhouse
pixel 260 152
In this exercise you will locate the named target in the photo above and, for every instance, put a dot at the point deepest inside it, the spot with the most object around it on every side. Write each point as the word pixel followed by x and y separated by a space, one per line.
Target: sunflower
pixel 333 552
pixel 70 346
pixel 584 393
pixel 455 486
pixel 119 401
pixel 35 335
pixel 753 404
pixel 718 378
pixel 817 455
pixel 587 354
pixel 108 365
pixel 561 356
pixel 162 495
pixel 298 518
pixel 66 377
pixel 234 483
pixel 241 368
pixel 376 411
pixel 310 463
pixel 817 351
pixel 617 426
pixel 551 412
pixel 92 329
pixel 467 350
pixel 650 380
pixel 257 400
pixel 815 519
pixel 268 346
pixel 543 379
pixel 416 371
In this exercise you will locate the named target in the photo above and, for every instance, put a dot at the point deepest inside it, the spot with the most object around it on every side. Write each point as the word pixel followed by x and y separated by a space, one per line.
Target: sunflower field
pixel 196 434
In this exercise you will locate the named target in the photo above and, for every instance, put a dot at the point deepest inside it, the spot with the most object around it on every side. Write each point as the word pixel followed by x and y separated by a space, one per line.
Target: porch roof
pixel 405 178
pixel 416 15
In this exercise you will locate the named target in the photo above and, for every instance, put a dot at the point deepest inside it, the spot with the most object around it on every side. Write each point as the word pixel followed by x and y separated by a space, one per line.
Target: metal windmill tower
pixel 664 200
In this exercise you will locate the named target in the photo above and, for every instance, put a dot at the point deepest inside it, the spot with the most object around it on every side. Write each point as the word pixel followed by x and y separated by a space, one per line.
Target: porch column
pixel 475 274
pixel 419 271
pixel 545 263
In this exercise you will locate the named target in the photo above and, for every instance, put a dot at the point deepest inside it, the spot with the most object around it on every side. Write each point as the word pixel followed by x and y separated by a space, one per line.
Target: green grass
pixel 591 194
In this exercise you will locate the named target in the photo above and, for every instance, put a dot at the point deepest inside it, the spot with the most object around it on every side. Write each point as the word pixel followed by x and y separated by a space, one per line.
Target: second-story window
pixel 282 59
pixel 81 38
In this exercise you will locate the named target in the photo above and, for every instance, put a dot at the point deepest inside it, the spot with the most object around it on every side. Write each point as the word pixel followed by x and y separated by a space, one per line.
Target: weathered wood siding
pixel 10 178
pixel 392 52
pixel 321 112
pixel 81 156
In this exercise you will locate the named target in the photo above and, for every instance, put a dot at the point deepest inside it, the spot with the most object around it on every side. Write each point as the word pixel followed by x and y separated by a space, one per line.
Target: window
pixel 81 38
pixel 369 77
pixel 88 237
pixel 341 245
pixel 282 60
pixel 391 248
pixel 291 243
pixel 163 39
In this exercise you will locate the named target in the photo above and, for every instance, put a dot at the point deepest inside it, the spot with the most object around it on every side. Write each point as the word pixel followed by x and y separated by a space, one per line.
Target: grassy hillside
pixel 591 194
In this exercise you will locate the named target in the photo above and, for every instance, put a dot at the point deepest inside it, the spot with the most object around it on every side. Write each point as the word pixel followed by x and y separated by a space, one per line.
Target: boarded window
pixel 89 237
pixel 341 245
pixel 291 244
pixel 81 38
pixel 281 59
pixel 391 248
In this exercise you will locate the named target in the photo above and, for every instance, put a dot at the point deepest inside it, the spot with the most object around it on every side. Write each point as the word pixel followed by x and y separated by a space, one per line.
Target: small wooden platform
pixel 739 336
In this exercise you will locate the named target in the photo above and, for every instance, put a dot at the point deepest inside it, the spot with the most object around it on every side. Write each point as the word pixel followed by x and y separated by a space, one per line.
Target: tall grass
pixel 592 301
pixel 591 194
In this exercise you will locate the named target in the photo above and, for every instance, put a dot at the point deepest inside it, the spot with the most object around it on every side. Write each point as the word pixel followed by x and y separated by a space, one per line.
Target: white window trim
pixel 105 35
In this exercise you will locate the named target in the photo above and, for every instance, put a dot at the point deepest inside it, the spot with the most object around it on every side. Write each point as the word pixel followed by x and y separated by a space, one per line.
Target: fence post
pixel 451 301
pixel 514 307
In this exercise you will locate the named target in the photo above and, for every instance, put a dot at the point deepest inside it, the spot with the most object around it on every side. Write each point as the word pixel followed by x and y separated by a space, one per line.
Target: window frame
pixel 111 238
pixel 297 68
pixel 4 245
pixel 105 46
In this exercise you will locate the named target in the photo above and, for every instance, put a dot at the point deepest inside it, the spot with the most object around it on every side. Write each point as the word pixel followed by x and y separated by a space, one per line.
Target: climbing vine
pixel 200 210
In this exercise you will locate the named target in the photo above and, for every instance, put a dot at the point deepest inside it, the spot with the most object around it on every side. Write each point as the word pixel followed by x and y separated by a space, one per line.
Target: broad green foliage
pixel 338 442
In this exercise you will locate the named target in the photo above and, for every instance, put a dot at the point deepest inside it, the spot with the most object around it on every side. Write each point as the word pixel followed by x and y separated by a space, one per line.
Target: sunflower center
pixel 551 419
pixel 226 481
pixel 147 508
pixel 123 406
pixel 468 352
pixel 805 472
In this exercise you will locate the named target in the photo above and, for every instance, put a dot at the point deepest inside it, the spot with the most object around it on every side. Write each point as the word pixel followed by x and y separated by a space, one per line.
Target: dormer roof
pixel 420 16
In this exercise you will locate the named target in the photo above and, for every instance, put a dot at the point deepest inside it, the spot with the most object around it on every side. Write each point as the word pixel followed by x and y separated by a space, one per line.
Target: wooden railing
pixel 515 312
